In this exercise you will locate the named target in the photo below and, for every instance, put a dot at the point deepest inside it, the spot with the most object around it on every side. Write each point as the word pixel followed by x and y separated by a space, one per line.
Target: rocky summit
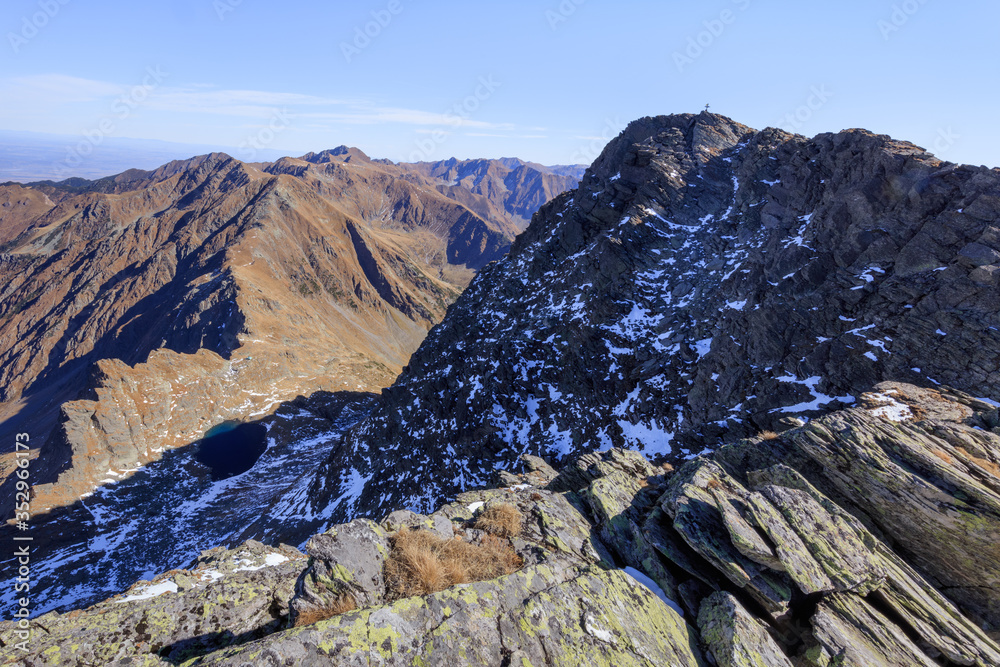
pixel 705 282
pixel 867 538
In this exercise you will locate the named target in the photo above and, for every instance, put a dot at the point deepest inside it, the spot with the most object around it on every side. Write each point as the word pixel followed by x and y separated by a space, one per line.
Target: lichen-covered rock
pixel 935 619
pixel 932 486
pixel 691 504
pixel 344 561
pixel 547 616
pixel 851 633
pixel 734 637
pixel 232 596
pixel 437 523
pixel 617 505
pixel 584 470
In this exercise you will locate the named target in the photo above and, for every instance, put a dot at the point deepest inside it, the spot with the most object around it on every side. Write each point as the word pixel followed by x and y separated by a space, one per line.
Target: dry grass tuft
pixel 502 520
pixel 340 605
pixel 985 464
pixel 767 435
pixel 422 563
pixel 667 468
pixel 943 455
pixel 714 484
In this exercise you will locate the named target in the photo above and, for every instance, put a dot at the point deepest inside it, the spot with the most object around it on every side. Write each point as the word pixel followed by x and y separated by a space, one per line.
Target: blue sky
pixel 549 81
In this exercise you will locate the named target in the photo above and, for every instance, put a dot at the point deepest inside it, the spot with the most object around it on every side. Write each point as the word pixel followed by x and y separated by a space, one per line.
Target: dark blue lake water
pixel 231 448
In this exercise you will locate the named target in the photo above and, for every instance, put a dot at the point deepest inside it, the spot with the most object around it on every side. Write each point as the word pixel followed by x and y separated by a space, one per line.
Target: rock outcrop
pixel 704 283
pixel 768 552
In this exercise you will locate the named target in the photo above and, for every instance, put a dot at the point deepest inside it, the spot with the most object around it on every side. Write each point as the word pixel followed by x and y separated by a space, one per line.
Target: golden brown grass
pixel 502 520
pixel 340 605
pixel 943 455
pixel 714 484
pixel 422 563
pixel 993 468
pixel 768 435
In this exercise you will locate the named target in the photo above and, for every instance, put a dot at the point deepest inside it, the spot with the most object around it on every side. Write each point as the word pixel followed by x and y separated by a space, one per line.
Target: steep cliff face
pixel 139 310
pixel 873 543
pixel 706 281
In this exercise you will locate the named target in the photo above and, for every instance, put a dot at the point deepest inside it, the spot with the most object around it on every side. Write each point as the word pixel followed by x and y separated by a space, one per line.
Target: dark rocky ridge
pixel 705 282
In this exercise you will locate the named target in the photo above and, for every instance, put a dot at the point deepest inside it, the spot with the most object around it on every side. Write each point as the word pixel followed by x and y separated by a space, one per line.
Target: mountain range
pixel 731 399
pixel 140 310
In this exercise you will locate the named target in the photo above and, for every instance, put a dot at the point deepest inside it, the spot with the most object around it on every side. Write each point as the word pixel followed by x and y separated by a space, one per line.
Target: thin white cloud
pixel 253 103
pixel 507 136
pixel 258 104
pixel 55 88
pixel 58 102
pixel 361 115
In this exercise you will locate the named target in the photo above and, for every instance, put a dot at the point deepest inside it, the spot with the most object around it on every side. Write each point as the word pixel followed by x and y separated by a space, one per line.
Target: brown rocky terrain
pixel 508 188
pixel 139 310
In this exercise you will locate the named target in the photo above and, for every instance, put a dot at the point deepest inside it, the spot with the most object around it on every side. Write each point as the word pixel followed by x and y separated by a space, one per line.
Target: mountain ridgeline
pixel 705 282
pixel 140 310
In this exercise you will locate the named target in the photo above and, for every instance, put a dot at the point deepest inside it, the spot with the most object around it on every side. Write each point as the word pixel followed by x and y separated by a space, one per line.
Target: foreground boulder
pixel 853 540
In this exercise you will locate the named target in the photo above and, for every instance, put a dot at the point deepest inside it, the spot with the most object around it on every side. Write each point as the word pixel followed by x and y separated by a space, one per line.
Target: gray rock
pixel 941 506
pixel 734 637
pixel 849 632
pixel 346 560
pixel 979 255
pixel 553 617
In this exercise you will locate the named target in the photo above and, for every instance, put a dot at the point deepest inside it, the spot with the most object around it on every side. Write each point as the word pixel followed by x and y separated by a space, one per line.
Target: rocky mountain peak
pixel 704 282
pixel 338 154
pixel 702 136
